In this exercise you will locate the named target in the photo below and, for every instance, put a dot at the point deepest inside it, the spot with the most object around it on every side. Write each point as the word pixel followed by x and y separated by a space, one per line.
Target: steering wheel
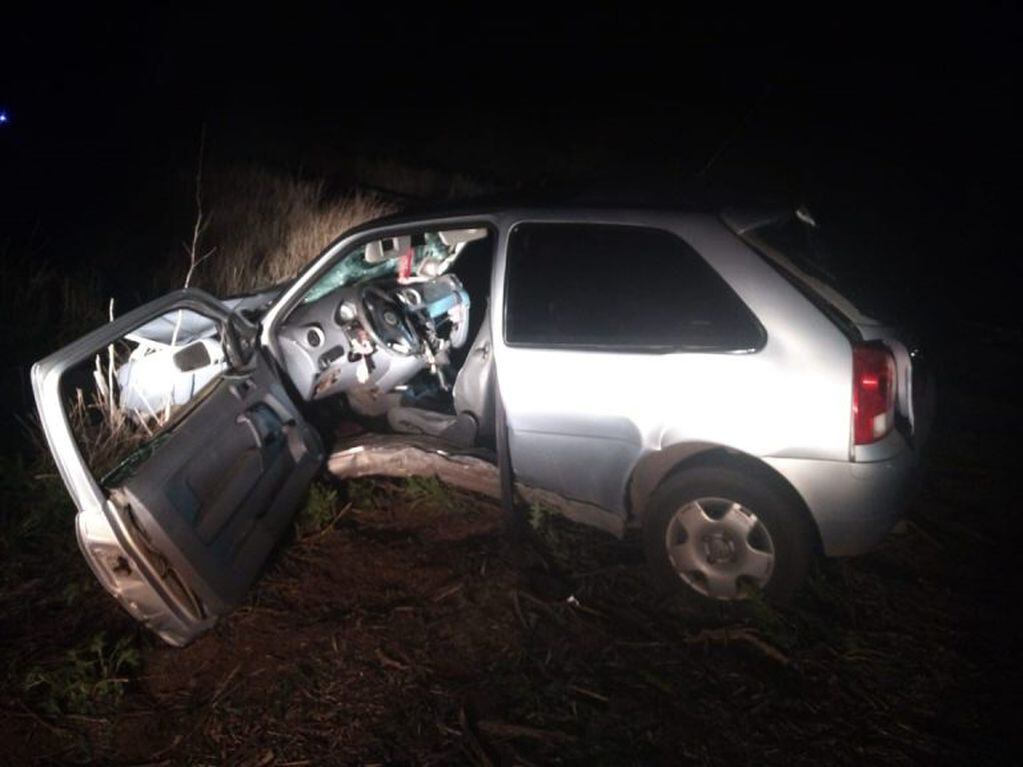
pixel 387 321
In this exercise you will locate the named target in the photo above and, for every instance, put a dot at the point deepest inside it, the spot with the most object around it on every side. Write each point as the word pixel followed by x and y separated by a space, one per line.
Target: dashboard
pixel 372 335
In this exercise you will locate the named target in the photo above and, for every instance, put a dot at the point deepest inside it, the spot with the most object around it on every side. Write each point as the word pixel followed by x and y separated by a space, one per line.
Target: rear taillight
pixel 873 404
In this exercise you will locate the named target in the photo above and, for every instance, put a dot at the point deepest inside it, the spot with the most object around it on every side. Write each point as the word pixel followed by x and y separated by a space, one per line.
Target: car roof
pixel 596 198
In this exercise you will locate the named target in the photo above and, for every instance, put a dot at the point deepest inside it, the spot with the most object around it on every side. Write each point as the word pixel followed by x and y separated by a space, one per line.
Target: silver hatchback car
pixel 691 375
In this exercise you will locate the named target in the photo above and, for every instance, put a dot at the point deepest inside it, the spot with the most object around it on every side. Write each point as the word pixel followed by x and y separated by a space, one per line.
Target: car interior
pixel 396 330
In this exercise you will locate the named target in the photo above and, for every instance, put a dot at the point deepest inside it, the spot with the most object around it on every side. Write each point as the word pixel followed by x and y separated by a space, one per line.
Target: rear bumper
pixel 853 504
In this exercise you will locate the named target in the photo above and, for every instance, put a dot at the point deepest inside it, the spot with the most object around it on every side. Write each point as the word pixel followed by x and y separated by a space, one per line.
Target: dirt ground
pixel 410 630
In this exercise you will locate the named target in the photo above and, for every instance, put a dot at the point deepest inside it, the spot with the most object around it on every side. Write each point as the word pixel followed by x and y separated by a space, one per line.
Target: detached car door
pixel 183 453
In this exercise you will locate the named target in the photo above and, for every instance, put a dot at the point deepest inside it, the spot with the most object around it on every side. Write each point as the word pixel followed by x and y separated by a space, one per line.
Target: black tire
pixel 790 532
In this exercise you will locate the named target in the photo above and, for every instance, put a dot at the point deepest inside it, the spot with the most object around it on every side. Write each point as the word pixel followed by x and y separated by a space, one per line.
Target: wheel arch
pixel 657 467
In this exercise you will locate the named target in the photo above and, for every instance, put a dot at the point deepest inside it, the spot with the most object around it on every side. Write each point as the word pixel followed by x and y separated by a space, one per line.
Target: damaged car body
pixel 673 372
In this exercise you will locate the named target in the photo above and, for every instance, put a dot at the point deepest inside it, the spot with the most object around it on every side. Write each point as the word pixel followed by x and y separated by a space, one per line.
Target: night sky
pixel 900 132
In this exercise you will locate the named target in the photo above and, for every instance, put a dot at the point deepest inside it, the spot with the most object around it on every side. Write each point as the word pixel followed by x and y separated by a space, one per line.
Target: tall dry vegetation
pixel 253 229
pixel 105 431
pixel 43 304
pixel 264 227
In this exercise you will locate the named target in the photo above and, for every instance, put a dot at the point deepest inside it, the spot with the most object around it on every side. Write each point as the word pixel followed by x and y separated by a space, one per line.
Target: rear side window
pixel 623 287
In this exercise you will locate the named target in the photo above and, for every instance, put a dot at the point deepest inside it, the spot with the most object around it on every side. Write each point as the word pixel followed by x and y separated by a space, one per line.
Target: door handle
pixel 249 421
pixel 263 423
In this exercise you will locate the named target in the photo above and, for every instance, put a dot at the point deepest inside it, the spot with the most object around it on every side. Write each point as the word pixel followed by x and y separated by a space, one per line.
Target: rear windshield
pixel 834 274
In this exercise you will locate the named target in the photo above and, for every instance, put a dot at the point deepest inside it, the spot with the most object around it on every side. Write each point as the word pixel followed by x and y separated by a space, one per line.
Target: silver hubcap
pixel 717 546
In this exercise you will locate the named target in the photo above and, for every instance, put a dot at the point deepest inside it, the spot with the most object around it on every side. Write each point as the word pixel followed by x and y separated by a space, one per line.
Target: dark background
pixel 900 131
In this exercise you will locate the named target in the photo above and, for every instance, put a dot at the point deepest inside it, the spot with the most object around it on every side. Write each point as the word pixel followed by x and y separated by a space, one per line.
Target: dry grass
pixel 40 301
pixel 106 432
pixel 264 227
pixel 259 227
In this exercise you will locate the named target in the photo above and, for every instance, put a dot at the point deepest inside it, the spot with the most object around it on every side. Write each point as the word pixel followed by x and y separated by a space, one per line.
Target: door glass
pixel 122 400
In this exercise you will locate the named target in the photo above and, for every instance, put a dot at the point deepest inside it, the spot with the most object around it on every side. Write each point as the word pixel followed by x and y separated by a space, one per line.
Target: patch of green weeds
pixel 321 508
pixel 74 590
pixel 35 500
pixel 430 491
pixel 36 521
pixel 363 494
pixel 90 677
pixel 541 521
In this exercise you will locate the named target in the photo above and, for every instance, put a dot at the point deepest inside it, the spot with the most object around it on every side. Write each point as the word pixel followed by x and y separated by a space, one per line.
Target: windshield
pixel 425 256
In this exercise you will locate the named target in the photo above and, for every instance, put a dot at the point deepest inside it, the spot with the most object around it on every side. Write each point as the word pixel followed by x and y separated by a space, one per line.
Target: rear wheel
pixel 726 534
